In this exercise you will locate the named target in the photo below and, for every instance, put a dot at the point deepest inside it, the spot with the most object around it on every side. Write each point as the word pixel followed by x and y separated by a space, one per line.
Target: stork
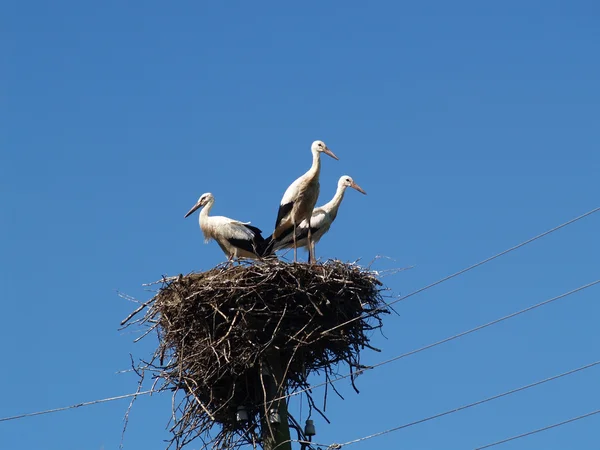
pixel 320 221
pixel 236 239
pixel 300 199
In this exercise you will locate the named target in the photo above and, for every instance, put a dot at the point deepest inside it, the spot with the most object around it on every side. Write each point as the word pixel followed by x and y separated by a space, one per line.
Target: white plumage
pixel 320 221
pixel 236 239
pixel 300 199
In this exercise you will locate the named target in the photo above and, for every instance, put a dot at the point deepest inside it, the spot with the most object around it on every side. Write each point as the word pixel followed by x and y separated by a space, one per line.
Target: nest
pixel 220 331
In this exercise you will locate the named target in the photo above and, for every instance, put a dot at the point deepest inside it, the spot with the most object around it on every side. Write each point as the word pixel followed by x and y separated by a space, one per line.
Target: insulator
pixel 242 414
pixel 309 428
pixel 274 418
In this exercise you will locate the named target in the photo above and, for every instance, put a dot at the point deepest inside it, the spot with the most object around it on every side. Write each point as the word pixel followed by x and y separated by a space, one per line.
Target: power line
pixel 470 405
pixel 4 419
pixel 78 405
pixel 448 339
pixel 460 272
pixel 539 430
pixel 358 372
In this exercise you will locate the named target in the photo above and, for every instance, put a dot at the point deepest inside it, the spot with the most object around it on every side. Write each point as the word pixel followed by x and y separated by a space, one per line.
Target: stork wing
pixel 302 233
pixel 284 210
pixel 243 244
pixel 223 248
pixel 255 230
pixel 267 247
pixel 242 236
pixel 287 201
pixel 317 221
pixel 236 228
pixel 284 238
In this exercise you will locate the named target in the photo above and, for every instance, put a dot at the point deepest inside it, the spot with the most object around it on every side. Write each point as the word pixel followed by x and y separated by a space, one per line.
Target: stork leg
pixel 311 247
pixel 295 246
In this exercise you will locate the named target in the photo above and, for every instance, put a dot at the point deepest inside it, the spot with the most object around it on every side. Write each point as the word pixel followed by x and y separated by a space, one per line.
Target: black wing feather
pixel 256 231
pixel 285 233
pixel 223 248
pixel 266 247
pixel 302 233
pixel 255 245
pixel 244 244
pixel 284 210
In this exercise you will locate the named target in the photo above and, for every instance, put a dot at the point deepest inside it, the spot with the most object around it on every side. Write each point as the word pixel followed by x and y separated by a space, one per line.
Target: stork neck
pixel 206 210
pixel 335 202
pixel 315 169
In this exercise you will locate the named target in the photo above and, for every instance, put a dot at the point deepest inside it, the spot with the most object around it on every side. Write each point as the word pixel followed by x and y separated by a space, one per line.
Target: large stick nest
pixel 216 328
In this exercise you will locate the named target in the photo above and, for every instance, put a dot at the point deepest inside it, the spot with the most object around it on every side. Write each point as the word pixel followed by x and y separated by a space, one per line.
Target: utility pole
pixel 275 429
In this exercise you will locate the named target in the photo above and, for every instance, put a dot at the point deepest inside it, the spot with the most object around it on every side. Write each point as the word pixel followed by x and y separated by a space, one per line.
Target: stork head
pixel 320 147
pixel 347 181
pixel 202 201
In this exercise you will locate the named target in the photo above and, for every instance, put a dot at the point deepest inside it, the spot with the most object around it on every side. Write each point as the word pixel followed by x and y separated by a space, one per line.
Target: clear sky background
pixel 471 125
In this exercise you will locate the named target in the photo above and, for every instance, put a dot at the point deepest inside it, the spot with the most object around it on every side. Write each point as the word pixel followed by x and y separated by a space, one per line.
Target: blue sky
pixel 472 126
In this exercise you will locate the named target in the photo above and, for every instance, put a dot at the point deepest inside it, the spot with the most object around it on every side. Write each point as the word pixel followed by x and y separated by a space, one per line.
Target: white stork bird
pixel 320 222
pixel 236 239
pixel 300 199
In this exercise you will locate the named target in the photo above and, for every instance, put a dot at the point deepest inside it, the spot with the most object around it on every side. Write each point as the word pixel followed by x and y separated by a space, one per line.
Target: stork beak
pixel 358 188
pixel 194 208
pixel 330 153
